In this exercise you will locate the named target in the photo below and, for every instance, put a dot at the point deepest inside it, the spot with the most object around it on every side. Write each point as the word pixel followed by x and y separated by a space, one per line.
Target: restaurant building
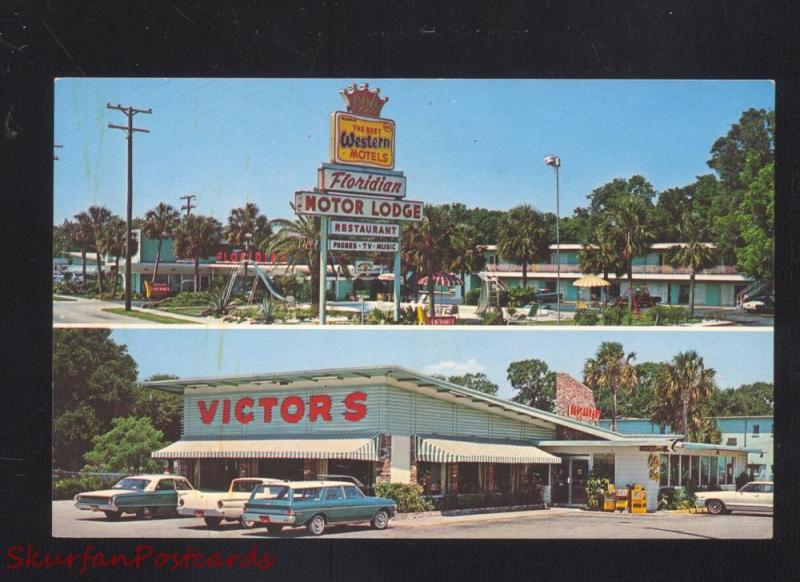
pixel 390 424
pixel 717 286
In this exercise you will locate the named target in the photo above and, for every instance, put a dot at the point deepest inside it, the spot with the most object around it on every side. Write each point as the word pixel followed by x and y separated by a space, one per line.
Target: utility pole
pixel 188 206
pixel 57 145
pixel 129 129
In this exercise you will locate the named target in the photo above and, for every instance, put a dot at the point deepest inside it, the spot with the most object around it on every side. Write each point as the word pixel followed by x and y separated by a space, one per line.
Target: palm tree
pixel 197 237
pixel 683 387
pixel 468 255
pixel 428 245
pixel 83 238
pixel 298 240
pixel 611 369
pixel 99 218
pixel 692 254
pixel 600 255
pixel 523 238
pixel 629 217
pixel 114 243
pixel 244 221
pixel 160 223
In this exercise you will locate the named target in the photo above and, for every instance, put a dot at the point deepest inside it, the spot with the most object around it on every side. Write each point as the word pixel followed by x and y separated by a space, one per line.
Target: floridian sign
pixel 378 183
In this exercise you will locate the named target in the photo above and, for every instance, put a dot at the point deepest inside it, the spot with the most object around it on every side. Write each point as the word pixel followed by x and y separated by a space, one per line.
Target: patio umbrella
pixel 441 279
pixel 590 281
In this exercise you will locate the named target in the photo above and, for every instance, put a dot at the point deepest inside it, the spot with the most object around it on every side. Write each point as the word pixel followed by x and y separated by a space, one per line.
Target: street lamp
pixel 247 238
pixel 555 162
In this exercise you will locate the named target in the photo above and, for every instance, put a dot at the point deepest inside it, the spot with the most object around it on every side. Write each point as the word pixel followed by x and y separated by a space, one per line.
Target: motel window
pixel 732 442
pixel 704 471
pixel 756 430
pixel 685 469
pixel 674 470
pixel 683 294
pixel 603 466
pixel 664 475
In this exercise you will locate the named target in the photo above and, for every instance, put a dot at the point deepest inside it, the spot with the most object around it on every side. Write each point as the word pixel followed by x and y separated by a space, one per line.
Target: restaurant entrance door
pixel 568 485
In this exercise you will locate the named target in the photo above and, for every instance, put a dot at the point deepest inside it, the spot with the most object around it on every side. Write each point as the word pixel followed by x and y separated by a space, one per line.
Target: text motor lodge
pixel 328 204
pixel 291 409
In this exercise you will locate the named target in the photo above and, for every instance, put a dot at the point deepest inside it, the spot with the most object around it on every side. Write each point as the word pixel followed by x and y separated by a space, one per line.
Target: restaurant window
pixel 502 477
pixel 429 475
pixel 729 479
pixel 538 474
pixel 664 475
pixel 713 477
pixel 685 469
pixel 704 471
pixel 603 466
pixel 674 470
pixel 695 463
pixel 732 441
pixel 721 471
pixel 470 478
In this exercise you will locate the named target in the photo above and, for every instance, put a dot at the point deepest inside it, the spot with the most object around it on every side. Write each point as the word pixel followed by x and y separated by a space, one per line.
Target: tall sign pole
pixel 129 129
pixel 555 162
pixel 323 267
pixel 397 275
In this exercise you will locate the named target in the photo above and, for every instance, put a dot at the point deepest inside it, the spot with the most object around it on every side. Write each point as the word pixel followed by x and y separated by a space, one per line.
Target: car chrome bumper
pixel 95 506
pixel 277 519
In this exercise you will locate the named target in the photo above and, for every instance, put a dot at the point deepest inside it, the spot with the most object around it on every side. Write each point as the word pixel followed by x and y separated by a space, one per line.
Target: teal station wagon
pixel 144 495
pixel 315 504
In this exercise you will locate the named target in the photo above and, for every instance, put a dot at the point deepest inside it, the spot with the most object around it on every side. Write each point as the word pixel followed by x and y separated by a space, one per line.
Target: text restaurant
pixel 391 424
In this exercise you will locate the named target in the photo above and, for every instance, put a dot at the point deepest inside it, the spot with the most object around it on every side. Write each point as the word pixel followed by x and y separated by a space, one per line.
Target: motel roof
pixel 403 378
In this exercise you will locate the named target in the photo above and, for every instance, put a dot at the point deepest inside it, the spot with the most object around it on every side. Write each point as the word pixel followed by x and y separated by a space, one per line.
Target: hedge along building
pixel 390 424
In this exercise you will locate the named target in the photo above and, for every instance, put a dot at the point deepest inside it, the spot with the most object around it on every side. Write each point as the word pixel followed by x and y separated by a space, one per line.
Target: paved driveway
pixel 558 523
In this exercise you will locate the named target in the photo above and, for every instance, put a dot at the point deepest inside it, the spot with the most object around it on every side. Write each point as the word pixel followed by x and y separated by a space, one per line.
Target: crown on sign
pixel 361 100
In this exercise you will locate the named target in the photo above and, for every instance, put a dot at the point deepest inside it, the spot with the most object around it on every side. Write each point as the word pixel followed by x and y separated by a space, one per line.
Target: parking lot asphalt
pixel 556 523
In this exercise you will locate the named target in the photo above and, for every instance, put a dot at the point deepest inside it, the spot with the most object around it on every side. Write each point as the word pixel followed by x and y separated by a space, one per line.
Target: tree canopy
pixel 534 384
pixel 477 381
pixel 126 447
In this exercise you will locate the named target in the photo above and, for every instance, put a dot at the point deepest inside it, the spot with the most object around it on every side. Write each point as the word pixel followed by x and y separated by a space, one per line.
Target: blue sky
pixel 738 357
pixel 480 142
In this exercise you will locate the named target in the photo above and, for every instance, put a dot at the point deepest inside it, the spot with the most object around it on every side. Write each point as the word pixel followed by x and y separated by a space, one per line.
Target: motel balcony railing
pixel 637 269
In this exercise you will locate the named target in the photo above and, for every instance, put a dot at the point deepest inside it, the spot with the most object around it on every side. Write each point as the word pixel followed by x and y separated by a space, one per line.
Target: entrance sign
pixel 348 180
pixel 362 141
pixel 346 206
pixel 339 227
pixel 363 246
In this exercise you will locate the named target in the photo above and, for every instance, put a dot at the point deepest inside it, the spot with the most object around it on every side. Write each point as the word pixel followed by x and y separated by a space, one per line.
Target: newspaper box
pixel 609 498
pixel 621 499
pixel 638 499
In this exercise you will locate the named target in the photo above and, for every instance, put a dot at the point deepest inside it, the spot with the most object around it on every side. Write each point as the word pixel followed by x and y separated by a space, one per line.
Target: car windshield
pixel 139 484
pixel 270 492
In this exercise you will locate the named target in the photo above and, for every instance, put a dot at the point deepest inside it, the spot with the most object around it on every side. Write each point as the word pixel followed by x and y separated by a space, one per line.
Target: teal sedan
pixel 143 495
pixel 315 505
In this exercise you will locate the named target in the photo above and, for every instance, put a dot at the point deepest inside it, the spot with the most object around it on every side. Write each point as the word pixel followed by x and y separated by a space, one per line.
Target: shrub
pixel 742 480
pixel 586 317
pixel 408 496
pixel 613 315
pixel 266 312
pixel 668 314
pixel 472 297
pixel 481 500
pixel 676 498
pixel 493 317
pixel 69 487
pixel 379 317
pixel 596 488
pixel 533 310
pixel 519 296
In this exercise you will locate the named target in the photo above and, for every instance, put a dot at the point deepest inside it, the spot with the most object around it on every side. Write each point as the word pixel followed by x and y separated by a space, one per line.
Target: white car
pixel 756 496
pixel 214 507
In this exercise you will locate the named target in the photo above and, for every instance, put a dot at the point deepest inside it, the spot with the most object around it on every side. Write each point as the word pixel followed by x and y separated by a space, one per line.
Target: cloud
pixel 454 368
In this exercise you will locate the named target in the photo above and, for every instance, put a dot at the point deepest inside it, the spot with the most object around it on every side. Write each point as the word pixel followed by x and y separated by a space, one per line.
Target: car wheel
pixel 715 506
pixel 146 513
pixel 113 515
pixel 276 529
pixel 213 522
pixel 381 520
pixel 247 523
pixel 316 525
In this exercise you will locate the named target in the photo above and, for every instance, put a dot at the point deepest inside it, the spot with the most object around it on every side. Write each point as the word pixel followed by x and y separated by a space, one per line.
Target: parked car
pixel 144 495
pixel 228 505
pixel 756 496
pixel 758 305
pixel 316 504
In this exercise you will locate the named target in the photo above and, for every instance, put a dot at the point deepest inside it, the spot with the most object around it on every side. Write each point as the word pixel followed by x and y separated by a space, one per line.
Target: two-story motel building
pixel 390 424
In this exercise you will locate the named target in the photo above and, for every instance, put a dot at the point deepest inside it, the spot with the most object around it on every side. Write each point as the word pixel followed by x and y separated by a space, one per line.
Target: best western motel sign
pixel 359 185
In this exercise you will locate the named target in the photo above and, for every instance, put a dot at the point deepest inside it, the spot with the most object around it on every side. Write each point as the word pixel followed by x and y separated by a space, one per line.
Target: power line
pixel 130 130
pixel 188 206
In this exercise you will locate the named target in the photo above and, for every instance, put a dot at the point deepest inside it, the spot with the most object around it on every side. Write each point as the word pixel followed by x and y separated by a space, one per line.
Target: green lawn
pixel 195 310
pixel 155 318
pixel 63 298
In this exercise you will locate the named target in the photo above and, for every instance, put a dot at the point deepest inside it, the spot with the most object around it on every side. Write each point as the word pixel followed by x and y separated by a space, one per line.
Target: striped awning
pixel 453 450
pixel 364 448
